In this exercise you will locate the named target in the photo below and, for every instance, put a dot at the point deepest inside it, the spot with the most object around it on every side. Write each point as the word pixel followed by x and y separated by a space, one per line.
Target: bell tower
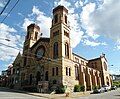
pixel 60 34
pixel 30 39
pixel 32 36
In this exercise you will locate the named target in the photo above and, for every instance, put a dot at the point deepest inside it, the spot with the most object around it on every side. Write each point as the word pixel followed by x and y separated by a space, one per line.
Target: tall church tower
pixel 60 34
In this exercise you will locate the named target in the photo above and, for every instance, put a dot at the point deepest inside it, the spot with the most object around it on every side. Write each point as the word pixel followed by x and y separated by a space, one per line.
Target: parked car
pixel 113 87
pixel 99 90
pixel 106 87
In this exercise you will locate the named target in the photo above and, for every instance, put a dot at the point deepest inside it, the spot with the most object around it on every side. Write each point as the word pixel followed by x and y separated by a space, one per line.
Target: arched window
pixel 76 73
pixel 66 50
pixel 65 19
pixel 105 66
pixel 38 77
pixel 56 18
pixel 55 50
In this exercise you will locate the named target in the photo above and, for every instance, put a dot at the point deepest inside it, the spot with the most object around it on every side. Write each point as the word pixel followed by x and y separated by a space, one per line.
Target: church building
pixel 49 62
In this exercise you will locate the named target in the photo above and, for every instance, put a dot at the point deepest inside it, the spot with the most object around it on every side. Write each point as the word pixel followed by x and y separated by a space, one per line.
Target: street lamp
pixel 6 39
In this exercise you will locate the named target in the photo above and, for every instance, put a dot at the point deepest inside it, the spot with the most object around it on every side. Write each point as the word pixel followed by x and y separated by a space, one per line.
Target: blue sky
pixel 95 27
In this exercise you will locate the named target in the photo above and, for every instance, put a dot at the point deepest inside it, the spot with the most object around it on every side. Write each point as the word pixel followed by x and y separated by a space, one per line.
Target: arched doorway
pixel 38 78
pixel 46 76
pixel 30 82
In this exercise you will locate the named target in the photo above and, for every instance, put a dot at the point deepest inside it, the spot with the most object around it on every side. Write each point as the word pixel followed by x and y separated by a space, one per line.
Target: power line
pixel 10 46
pixel 10 11
pixel 5 7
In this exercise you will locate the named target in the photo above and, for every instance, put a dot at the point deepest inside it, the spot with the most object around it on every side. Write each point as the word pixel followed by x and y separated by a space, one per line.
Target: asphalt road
pixel 9 94
pixel 114 94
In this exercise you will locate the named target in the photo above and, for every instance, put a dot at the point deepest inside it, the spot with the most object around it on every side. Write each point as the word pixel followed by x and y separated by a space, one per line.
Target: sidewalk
pixel 55 96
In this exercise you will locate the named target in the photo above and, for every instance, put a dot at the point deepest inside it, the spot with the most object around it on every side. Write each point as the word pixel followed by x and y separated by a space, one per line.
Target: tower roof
pixel 33 25
pixel 60 7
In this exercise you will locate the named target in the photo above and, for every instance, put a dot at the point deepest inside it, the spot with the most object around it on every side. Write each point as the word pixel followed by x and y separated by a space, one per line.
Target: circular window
pixel 40 52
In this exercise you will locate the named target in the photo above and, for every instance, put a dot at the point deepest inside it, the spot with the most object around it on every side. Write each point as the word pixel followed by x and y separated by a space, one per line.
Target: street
pixel 114 94
pixel 5 93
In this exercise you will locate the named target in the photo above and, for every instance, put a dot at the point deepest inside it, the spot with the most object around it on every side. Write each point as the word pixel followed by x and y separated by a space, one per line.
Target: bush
pixel 77 88
pixel 95 87
pixel 82 88
pixel 11 86
pixel 116 83
pixel 61 89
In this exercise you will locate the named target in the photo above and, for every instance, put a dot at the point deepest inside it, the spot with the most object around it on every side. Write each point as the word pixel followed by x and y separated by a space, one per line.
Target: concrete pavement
pixel 50 96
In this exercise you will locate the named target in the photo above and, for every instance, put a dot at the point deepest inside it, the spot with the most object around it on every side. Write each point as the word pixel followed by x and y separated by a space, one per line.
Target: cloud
pixel 79 3
pixel 2 3
pixel 27 21
pixel 103 20
pixel 85 19
pixel 92 43
pixel 41 19
pixel 117 45
pixel 21 14
pixel 8 49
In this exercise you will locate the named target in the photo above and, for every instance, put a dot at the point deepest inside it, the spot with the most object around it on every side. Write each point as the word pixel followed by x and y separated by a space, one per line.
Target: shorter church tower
pixel 30 39
pixel 32 35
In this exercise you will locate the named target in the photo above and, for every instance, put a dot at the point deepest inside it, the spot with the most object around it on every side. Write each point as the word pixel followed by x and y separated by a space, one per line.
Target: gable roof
pixel 17 57
pixel 43 39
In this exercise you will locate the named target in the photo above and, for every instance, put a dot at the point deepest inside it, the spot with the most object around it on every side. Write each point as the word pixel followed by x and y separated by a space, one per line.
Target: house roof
pixel 79 56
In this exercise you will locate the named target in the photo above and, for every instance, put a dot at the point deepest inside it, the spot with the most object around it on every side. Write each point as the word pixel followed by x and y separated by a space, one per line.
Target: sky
pixel 95 27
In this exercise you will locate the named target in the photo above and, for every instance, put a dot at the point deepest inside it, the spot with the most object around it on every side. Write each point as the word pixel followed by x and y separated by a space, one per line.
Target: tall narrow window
pixel 56 18
pixel 105 66
pixel 53 71
pixel 36 34
pixel 65 19
pixel 69 72
pixel 27 37
pixel 55 50
pixel 56 70
pixel 66 50
pixel 76 73
pixel 25 61
pixel 66 71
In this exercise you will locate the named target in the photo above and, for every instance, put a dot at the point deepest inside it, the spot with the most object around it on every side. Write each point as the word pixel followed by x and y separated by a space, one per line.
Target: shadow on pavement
pixel 4 89
pixel 117 95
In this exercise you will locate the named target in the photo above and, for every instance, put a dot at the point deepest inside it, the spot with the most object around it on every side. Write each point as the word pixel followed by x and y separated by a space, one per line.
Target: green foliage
pixel 11 86
pixel 77 88
pixel 60 89
pixel 116 83
pixel 95 87
pixel 82 88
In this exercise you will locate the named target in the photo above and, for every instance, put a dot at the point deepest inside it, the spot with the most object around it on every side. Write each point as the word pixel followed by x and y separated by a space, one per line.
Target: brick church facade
pixel 50 62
